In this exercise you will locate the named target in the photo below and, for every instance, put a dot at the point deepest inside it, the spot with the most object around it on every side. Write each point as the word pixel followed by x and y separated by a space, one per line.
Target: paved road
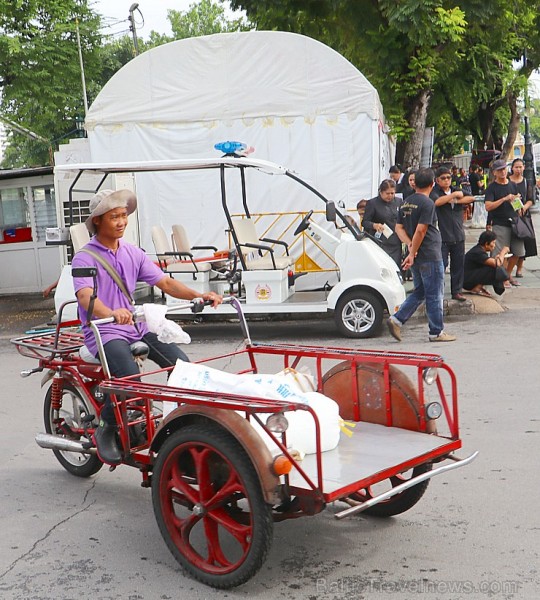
pixel 473 535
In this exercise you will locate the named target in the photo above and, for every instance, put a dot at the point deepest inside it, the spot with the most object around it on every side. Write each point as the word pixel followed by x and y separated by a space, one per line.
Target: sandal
pixel 518 275
pixel 514 282
pixel 484 293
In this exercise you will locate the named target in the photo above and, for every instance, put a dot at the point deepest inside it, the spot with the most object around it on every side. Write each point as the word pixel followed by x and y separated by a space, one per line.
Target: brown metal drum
pixel 339 384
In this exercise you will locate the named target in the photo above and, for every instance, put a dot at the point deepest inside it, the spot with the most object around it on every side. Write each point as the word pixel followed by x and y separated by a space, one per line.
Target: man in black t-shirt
pixel 416 227
pixel 476 181
pixel 449 204
pixel 500 194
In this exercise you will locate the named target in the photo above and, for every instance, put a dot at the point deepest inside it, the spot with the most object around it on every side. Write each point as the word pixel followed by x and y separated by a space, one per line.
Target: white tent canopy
pixel 297 101
pixel 235 76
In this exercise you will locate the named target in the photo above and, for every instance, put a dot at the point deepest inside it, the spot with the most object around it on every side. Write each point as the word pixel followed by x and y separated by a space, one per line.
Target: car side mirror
pixel 331 212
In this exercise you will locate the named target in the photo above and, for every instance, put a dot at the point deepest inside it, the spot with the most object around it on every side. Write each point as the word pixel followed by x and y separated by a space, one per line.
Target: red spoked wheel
pixel 209 506
pixel 399 503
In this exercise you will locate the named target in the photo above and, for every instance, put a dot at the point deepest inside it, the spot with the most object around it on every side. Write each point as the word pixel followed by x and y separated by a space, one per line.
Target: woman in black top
pixel 380 211
pixel 500 194
pixel 517 168
pixel 408 187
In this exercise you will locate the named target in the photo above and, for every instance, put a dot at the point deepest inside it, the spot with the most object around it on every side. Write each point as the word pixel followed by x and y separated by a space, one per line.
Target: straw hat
pixel 106 200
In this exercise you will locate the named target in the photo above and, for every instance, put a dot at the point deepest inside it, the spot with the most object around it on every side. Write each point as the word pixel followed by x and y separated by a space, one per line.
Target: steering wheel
pixel 304 223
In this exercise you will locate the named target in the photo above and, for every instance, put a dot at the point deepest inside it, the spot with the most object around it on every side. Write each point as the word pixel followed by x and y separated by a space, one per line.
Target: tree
pixel 482 96
pixel 400 46
pixel 201 18
pixel 40 77
pixel 534 121
pixel 447 63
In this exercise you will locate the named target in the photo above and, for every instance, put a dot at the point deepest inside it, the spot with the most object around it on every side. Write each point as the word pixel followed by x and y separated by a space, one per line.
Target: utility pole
pixel 132 27
pixel 528 156
pixel 85 98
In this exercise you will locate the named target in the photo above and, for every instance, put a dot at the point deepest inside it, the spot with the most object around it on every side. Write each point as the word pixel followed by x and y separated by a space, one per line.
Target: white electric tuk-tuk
pixel 261 271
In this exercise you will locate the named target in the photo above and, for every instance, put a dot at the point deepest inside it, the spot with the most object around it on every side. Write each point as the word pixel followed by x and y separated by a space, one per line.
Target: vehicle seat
pixel 79 236
pixel 139 350
pixel 249 243
pixel 170 259
pixel 182 245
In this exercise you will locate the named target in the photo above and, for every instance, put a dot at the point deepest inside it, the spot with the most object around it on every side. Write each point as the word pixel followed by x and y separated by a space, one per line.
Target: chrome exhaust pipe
pixel 57 442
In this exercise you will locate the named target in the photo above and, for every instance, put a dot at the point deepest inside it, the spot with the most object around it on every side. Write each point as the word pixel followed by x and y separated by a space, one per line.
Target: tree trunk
pixel 417 121
pixel 513 126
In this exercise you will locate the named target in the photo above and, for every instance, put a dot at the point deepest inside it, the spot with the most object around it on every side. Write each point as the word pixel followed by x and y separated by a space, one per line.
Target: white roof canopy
pixel 244 75
pixel 174 165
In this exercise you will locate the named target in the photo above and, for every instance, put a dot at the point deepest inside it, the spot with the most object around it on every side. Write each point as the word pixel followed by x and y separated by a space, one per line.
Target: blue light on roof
pixel 231 147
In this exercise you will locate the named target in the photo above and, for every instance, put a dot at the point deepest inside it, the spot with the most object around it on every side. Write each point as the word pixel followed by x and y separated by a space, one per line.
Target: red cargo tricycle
pixel 217 489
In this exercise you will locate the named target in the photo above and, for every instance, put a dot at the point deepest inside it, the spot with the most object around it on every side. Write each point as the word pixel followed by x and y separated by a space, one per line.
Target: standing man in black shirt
pixel 499 197
pixel 476 180
pixel 449 203
pixel 416 228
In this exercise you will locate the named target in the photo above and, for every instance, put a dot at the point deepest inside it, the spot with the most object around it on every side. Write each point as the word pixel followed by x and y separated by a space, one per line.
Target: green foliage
pixel 205 18
pixel 40 78
pixel 40 73
pixel 462 53
pixel 534 121
pixel 201 18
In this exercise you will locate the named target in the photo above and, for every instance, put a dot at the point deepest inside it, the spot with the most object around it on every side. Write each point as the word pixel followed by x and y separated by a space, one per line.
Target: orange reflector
pixel 282 465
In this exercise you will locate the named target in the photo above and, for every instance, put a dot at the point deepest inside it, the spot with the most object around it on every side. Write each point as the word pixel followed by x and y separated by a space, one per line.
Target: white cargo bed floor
pixel 370 450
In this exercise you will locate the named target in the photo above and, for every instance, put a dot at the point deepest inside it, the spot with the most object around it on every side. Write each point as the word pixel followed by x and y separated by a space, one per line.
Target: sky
pixel 154 15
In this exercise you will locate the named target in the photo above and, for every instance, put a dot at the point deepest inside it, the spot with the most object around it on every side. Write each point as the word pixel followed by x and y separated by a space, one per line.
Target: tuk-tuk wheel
pixel 66 420
pixel 358 314
pixel 209 506
pixel 399 503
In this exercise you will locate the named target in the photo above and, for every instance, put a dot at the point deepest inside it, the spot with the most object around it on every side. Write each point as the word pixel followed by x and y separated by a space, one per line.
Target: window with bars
pixel 44 209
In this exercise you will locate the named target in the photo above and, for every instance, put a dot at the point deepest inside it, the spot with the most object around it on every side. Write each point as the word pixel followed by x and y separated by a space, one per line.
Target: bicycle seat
pixel 138 349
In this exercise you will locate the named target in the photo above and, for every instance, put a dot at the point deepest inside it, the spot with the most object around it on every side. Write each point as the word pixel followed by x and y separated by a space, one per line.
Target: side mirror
pixel 331 212
pixel 88 272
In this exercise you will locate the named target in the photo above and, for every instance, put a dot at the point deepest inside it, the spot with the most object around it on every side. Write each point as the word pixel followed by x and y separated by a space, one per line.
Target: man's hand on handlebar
pixel 215 299
pixel 122 316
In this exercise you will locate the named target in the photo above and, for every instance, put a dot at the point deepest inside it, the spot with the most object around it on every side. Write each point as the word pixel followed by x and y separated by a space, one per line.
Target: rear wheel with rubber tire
pixel 67 422
pixel 399 503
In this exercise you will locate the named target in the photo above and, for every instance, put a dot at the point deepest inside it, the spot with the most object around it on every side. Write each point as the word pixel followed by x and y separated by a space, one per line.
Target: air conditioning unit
pixel 56 235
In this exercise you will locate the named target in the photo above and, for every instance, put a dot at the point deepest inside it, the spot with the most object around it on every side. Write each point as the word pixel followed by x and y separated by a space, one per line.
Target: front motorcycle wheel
pixel 67 422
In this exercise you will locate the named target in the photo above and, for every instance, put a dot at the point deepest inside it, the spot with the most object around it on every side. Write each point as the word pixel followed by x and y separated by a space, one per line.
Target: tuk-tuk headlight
pixel 386 274
pixel 430 375
pixel 277 423
pixel 433 410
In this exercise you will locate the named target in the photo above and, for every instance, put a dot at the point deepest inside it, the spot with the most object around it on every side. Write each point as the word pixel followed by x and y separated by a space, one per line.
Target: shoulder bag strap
pixel 111 271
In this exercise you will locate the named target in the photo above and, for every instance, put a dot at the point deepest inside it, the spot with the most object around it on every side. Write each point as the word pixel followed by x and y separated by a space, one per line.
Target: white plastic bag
pixel 167 331
pixel 301 431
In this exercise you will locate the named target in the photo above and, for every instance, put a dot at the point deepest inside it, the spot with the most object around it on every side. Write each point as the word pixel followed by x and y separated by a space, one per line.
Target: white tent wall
pixel 326 155
pixel 297 101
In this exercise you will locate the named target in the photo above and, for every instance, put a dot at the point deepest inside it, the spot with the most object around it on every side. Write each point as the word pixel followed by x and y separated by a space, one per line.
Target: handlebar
pixel 196 305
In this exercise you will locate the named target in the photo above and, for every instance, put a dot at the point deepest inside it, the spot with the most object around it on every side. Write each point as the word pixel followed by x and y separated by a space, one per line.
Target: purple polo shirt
pixel 132 265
